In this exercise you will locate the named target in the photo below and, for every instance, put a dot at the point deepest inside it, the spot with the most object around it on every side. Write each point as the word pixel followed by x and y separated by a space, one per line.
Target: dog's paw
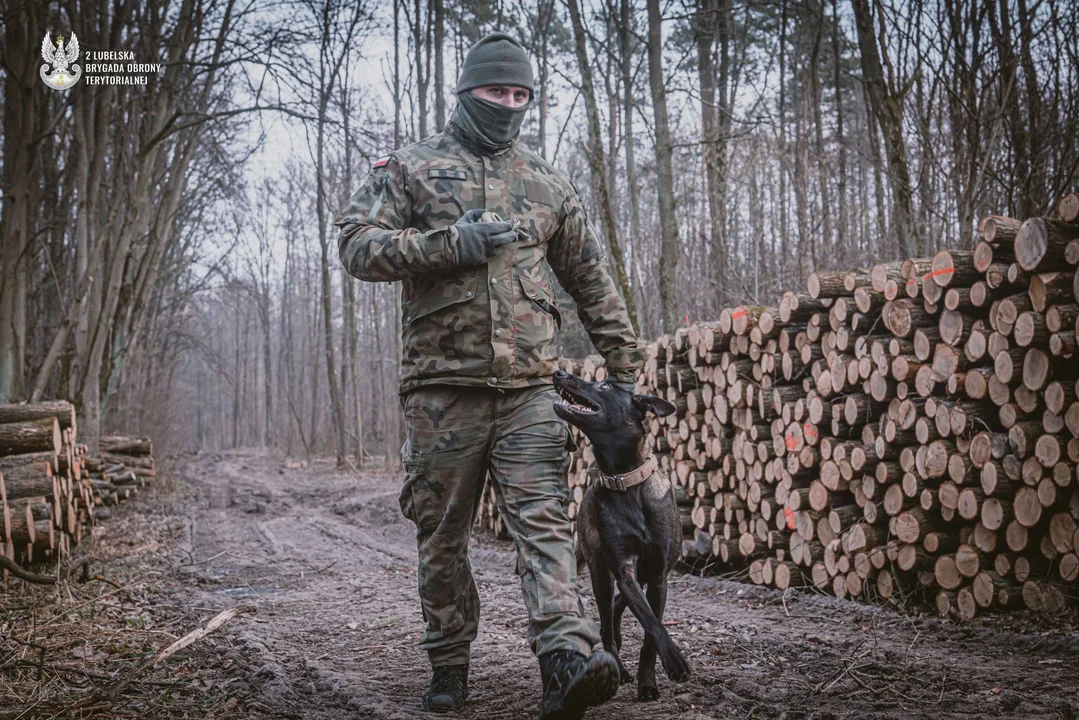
pixel 676 667
pixel 623 674
pixel 647 693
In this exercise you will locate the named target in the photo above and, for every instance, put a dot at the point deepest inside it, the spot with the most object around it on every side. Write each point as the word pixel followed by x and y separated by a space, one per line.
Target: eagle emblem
pixel 60 58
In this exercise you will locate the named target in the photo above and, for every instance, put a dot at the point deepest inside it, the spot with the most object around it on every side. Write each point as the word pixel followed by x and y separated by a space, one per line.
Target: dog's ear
pixel 653 404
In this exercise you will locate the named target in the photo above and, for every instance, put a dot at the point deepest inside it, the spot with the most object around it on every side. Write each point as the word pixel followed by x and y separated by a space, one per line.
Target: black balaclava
pixel 497 59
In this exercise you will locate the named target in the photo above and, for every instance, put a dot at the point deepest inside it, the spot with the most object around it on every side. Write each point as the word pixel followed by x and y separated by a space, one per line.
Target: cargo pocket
pixel 417 500
pixel 553 566
pixel 527 578
pixel 413 473
pixel 444 574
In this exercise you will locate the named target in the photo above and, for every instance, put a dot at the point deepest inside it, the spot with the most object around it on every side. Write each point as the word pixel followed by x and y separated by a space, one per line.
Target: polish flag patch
pixel 382 161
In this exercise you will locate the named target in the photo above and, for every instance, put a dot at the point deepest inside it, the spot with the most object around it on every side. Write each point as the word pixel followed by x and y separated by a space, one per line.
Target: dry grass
pixel 64 648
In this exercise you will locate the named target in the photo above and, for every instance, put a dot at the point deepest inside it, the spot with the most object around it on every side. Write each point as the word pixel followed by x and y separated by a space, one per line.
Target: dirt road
pixel 330 563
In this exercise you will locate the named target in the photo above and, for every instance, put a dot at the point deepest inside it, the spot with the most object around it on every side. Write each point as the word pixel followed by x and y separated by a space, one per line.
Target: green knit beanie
pixel 497 59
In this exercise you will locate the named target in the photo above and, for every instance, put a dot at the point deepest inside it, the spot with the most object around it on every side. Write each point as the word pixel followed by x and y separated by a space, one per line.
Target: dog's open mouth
pixel 576 403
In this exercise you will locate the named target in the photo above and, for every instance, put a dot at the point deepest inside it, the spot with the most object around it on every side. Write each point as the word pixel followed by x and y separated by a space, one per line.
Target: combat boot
pixel 572 682
pixel 449 689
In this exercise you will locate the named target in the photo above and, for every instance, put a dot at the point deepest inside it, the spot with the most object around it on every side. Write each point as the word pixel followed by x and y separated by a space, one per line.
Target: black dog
pixel 627 524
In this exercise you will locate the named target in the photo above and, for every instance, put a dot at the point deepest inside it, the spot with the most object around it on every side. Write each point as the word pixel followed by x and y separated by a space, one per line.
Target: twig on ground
pixel 324 569
pixel 56 668
pixel 194 636
pixel 102 578
pixel 91 600
pixel 846 669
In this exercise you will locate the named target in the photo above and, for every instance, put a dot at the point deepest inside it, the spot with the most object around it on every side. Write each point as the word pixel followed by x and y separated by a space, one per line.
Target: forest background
pixel 167 258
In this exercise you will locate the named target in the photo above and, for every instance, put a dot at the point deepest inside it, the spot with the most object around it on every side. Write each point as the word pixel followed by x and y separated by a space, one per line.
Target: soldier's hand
pixel 477 242
pixel 472 216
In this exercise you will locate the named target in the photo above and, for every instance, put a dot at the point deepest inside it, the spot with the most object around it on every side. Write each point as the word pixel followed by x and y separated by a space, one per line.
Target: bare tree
pixel 440 80
pixel 669 245
pixel 886 99
pixel 594 151
pixel 338 30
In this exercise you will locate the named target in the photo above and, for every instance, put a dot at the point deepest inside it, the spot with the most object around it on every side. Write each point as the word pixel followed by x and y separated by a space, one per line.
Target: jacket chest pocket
pixel 436 299
pixel 441 326
pixel 537 204
pixel 442 194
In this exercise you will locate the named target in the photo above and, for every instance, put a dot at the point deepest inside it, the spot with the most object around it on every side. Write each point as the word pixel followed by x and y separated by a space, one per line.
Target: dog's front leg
pixel 656 592
pixel 603 589
pixel 619 608
pixel 674 664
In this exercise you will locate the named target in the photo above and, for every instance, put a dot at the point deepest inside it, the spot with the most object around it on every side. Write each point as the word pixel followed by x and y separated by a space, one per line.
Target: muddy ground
pixel 330 563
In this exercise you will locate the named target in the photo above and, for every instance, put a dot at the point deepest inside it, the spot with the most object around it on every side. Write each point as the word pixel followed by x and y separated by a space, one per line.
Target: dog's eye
pixel 604 386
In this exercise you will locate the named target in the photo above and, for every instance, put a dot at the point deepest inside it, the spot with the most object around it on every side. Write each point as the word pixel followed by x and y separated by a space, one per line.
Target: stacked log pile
pixel 50 490
pixel 911 430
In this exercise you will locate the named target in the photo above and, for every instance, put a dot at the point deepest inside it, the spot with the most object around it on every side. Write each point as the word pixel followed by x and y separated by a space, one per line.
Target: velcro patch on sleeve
pixel 446 174
pixel 382 161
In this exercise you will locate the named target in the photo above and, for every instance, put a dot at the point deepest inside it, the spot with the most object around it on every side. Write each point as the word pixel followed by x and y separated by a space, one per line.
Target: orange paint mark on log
pixel 939 272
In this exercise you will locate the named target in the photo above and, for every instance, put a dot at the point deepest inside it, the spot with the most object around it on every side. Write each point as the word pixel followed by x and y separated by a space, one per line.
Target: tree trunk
pixel 351 369
pixel 841 190
pixel 626 49
pixel 22 120
pixel 396 74
pixel 784 240
pixel 598 162
pixel 705 30
pixel 723 120
pixel 669 245
pixel 887 105
pixel 440 80
pixel 544 17
pixel 818 122
pixel 419 64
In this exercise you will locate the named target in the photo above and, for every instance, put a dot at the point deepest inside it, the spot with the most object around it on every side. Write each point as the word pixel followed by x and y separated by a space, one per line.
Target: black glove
pixel 472 216
pixel 477 242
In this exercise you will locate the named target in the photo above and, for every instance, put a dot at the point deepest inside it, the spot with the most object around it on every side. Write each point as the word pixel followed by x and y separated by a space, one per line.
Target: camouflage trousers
pixel 455 436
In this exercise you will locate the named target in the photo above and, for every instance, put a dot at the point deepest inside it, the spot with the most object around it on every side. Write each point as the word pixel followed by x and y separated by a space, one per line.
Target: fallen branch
pixel 192 637
pixel 64 572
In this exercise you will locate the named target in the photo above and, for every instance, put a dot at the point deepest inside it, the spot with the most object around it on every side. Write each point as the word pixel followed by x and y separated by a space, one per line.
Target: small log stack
pixel 50 490
pixel 907 431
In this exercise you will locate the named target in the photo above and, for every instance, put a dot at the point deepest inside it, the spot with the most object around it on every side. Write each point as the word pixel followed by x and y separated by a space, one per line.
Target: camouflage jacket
pixel 491 325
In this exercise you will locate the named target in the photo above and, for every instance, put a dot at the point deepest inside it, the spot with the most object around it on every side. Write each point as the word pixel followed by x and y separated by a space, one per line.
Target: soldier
pixel 479 319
